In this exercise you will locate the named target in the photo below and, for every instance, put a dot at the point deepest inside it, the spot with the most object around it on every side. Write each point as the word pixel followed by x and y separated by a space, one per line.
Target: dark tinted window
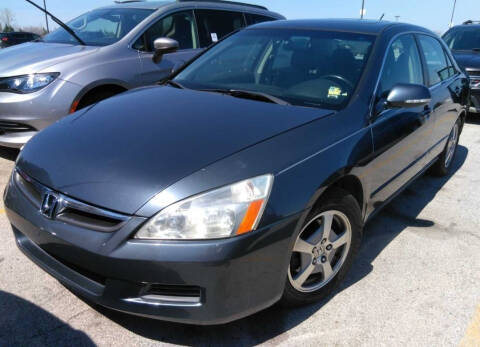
pixel 452 70
pixel 438 67
pixel 304 67
pixel 179 26
pixel 402 65
pixel 257 18
pixel 463 39
pixel 213 25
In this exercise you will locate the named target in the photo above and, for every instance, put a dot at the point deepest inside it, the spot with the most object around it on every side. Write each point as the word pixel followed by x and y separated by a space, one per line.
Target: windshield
pixel 303 67
pixel 463 39
pixel 100 27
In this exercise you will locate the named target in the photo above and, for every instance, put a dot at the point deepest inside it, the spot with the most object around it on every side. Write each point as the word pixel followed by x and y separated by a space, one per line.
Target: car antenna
pixel 59 22
pixel 381 17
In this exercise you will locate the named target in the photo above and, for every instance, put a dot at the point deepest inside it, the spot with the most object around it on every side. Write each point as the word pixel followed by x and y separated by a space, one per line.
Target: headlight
pixel 27 83
pixel 224 212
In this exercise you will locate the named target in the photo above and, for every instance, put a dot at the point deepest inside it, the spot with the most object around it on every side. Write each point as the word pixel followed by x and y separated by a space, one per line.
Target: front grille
pixel 473 72
pixel 12 127
pixel 475 98
pixel 67 209
pixel 27 187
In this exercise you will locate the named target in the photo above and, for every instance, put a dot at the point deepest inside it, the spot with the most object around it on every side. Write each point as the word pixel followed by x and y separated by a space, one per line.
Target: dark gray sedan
pixel 247 178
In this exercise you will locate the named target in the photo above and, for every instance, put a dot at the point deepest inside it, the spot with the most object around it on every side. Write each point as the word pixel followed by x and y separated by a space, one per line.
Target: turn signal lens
pixel 250 218
pixel 74 106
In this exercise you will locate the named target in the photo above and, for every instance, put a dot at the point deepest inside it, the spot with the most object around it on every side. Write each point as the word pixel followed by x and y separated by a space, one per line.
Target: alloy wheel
pixel 451 145
pixel 320 251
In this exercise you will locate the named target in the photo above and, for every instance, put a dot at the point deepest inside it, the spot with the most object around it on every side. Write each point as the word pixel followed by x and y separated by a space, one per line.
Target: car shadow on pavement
pixel 401 213
pixel 9 153
pixel 23 323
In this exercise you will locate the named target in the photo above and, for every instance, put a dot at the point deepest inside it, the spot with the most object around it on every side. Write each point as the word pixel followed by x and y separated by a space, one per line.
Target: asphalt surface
pixel 416 282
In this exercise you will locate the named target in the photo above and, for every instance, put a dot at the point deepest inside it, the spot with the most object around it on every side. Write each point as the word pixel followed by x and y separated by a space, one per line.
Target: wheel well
pixel 463 117
pixel 99 93
pixel 352 185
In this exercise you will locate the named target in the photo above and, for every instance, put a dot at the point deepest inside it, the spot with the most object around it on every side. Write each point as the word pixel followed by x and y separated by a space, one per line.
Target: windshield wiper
pixel 59 22
pixel 248 94
pixel 476 49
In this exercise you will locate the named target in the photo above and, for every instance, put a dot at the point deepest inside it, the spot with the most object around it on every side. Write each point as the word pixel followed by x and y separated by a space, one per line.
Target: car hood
pixel 468 60
pixel 121 152
pixel 35 57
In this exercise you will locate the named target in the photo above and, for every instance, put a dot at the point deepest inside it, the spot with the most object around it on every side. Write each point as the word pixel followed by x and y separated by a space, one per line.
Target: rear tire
pixel 324 249
pixel 444 163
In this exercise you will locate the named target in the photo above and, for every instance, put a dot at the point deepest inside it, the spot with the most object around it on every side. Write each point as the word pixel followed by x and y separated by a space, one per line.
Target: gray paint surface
pixel 83 68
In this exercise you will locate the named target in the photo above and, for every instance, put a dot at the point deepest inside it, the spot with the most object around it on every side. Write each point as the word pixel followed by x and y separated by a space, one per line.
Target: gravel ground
pixel 415 282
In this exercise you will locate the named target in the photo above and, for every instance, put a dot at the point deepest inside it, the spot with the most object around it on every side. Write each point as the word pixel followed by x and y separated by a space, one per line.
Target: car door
pixel 179 26
pixel 446 87
pixel 401 136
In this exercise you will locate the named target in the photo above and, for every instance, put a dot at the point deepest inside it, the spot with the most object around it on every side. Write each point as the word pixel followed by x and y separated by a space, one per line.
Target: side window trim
pixel 426 77
pixel 447 57
pixel 452 64
pixel 197 34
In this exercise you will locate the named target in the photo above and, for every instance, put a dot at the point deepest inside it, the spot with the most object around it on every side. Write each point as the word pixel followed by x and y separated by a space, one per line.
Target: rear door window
pixel 257 18
pixel 438 67
pixel 214 25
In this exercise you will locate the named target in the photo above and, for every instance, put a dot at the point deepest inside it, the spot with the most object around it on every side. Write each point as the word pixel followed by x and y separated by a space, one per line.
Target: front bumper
pixel 201 282
pixel 475 101
pixel 35 111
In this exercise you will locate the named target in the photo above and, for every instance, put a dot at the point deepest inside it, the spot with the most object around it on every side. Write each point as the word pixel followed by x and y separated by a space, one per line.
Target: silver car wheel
pixel 320 251
pixel 451 145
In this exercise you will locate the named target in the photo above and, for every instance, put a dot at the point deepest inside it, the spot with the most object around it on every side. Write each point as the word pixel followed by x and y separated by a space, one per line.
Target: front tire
pixel 444 162
pixel 324 249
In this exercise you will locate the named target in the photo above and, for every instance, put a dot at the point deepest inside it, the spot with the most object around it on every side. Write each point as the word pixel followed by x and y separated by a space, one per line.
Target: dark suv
pixel 14 38
pixel 464 41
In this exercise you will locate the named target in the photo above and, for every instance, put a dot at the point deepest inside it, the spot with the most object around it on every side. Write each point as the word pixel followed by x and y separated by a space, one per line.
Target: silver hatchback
pixel 45 80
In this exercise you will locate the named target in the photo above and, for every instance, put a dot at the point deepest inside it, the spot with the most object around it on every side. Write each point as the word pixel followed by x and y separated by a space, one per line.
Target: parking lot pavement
pixel 416 281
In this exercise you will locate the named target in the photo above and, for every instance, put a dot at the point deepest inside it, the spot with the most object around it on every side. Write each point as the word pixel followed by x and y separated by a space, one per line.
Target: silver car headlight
pixel 225 212
pixel 27 83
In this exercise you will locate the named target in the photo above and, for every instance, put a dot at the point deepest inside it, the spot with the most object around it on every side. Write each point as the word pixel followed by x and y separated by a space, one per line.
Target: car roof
pixel 150 5
pixel 471 25
pixel 155 5
pixel 351 25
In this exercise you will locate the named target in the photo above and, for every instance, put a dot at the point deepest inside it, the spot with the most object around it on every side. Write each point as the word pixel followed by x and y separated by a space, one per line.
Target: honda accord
pixel 247 178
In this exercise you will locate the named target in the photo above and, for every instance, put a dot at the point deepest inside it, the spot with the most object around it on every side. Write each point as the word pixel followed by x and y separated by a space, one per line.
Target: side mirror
pixel 408 96
pixel 163 45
